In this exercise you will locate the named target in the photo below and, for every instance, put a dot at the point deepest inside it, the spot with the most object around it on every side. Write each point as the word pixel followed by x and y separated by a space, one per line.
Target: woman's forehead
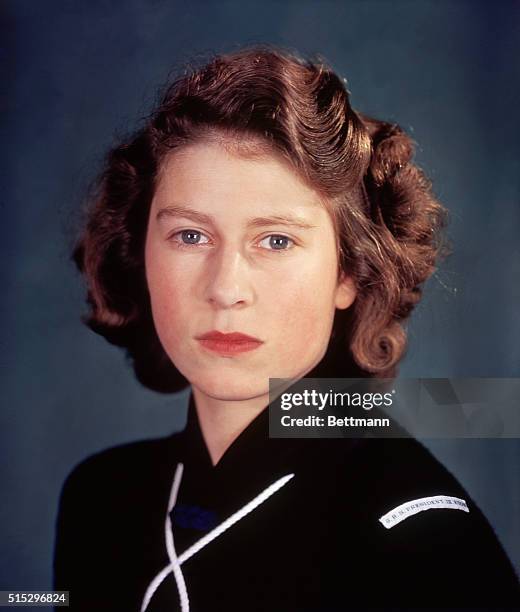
pixel 208 178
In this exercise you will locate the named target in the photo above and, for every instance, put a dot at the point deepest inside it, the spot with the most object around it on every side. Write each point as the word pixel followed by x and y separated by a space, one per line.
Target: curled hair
pixel 264 100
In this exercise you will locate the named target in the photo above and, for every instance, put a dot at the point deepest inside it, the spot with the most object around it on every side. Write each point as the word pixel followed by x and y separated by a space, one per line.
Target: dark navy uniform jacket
pixel 277 525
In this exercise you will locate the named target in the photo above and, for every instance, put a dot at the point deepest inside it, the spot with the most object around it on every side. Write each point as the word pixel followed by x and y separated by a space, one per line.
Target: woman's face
pixel 240 245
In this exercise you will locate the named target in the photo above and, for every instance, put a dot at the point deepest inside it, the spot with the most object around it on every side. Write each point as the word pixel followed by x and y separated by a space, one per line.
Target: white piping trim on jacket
pixel 170 544
pixel 176 561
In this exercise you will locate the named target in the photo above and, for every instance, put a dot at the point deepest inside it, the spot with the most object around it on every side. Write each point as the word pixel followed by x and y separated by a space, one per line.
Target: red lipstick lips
pixel 228 344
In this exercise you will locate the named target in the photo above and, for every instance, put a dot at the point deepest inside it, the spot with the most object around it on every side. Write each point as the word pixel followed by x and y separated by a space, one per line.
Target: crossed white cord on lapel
pixel 176 561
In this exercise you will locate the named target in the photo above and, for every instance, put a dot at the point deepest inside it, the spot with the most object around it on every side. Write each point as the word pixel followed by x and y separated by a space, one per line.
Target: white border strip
pixel 409 508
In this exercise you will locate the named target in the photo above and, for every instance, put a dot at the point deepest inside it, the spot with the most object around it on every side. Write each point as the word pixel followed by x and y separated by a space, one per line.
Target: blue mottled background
pixel 77 73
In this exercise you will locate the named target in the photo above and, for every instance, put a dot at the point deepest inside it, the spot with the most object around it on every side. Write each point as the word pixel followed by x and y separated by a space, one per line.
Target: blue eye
pixel 189 237
pixel 278 242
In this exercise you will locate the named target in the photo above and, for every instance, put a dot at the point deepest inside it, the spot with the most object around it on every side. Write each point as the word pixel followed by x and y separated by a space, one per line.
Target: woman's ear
pixel 345 291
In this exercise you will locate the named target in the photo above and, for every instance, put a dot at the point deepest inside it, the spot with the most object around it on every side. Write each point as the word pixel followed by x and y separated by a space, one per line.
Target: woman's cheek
pixel 170 312
pixel 306 312
pixel 172 286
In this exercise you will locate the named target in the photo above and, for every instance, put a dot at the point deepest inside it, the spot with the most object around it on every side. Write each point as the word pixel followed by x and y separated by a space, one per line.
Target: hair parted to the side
pixel 264 100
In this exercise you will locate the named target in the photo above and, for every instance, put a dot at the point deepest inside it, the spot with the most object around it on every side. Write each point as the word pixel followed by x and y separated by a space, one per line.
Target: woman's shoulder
pixel 402 478
pixel 402 491
pixel 418 520
pixel 131 466
pixel 110 502
pixel 407 461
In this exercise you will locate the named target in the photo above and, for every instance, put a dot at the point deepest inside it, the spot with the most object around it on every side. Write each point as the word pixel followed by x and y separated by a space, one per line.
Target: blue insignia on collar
pixel 193 517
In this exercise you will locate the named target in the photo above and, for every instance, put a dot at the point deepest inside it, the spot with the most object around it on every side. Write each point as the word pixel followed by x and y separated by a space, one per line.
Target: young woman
pixel 258 227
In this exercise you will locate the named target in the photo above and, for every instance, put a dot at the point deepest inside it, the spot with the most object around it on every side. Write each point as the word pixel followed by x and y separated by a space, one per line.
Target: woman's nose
pixel 228 282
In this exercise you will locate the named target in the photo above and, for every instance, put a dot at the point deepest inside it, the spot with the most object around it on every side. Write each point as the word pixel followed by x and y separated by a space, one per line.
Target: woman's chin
pixel 230 389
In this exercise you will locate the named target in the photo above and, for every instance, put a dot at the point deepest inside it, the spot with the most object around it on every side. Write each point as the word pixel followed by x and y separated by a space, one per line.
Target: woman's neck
pixel 222 421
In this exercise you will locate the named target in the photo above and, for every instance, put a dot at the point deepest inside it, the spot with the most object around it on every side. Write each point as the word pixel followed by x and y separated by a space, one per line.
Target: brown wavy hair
pixel 259 100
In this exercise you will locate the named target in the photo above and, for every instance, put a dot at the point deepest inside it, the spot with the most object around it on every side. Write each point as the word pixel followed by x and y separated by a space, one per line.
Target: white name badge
pixel 409 508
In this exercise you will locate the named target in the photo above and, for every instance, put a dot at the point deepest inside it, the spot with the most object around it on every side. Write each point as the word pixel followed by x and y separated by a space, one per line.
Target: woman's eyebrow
pixel 189 213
